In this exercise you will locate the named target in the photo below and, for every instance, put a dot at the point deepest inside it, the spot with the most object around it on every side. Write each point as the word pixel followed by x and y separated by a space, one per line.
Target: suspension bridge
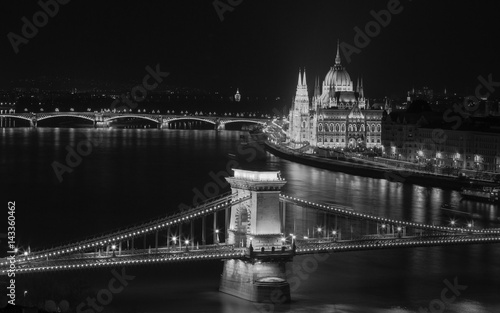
pixel 257 244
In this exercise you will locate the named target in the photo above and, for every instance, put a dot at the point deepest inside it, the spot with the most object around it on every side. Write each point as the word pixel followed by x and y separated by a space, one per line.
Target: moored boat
pixel 487 194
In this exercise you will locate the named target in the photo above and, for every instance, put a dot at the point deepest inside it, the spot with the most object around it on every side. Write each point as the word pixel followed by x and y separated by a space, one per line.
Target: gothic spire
pixel 361 89
pixel 317 90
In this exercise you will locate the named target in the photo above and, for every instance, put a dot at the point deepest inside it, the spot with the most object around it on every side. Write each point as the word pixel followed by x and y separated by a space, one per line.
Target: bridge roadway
pixel 222 251
pixel 78 255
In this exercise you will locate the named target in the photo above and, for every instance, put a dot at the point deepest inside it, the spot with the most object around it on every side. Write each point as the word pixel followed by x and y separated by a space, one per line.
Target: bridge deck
pixel 76 255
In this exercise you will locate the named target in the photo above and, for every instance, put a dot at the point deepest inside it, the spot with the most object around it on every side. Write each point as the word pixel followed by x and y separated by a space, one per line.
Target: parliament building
pixel 337 116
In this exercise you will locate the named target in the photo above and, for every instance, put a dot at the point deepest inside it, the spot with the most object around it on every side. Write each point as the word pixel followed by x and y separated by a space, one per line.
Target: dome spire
pixel 304 82
pixel 337 58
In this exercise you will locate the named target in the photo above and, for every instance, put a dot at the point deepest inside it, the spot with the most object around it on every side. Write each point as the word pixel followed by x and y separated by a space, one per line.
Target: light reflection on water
pixel 135 174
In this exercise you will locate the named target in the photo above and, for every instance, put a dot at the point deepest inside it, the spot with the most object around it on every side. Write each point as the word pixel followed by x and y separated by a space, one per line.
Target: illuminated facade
pixel 337 115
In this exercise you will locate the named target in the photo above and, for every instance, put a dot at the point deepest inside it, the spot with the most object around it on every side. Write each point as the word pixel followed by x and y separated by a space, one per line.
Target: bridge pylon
pixel 256 225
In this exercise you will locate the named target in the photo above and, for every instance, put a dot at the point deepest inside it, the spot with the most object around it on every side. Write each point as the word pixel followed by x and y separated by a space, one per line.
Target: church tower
pixel 300 128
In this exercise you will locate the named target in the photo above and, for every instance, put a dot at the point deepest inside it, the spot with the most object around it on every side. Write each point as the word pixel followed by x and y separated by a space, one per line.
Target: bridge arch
pixel 21 117
pixel 45 117
pixel 132 116
pixel 184 118
pixel 243 121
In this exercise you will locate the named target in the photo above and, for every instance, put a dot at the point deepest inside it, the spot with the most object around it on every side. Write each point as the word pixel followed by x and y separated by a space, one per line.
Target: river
pixel 131 175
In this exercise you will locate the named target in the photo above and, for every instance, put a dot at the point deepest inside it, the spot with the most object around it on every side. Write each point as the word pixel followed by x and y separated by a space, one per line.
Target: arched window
pixel 368 128
pixel 330 127
pixel 350 127
pixel 303 124
pixel 343 127
pixel 378 128
pixel 354 127
pixel 320 127
pixel 362 127
pixel 337 127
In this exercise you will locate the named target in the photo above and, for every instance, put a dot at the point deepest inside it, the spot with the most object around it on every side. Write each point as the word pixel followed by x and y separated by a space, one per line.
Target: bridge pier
pixel 256 281
pixel 256 224
pixel 219 125
pixel 101 124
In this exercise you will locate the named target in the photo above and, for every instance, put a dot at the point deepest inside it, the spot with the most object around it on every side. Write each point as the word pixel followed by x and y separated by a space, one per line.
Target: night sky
pixel 259 45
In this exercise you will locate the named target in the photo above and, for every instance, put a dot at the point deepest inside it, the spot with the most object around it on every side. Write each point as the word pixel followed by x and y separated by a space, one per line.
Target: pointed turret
pixel 317 88
pixel 361 89
pixel 301 95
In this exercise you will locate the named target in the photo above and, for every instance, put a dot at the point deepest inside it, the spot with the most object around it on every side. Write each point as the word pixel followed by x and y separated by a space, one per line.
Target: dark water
pixel 134 175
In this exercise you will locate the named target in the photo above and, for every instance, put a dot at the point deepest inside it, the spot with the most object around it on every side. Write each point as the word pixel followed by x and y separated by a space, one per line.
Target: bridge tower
pixel 256 224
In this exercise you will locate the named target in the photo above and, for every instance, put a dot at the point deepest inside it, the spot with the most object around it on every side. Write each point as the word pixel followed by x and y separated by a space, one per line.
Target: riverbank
pixel 359 168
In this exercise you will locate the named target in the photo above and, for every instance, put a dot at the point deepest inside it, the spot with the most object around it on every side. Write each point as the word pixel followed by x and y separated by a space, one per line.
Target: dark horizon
pixel 258 46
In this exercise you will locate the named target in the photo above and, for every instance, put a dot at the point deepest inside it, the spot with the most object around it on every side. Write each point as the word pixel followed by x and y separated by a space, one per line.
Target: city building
pixel 338 114
pixel 422 137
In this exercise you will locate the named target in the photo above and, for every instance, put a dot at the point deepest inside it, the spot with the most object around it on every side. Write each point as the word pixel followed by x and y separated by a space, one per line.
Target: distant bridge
pixel 100 119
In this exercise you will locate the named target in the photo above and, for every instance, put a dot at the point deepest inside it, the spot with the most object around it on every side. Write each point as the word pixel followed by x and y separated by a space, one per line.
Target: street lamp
pixel 384 228
pixel 174 240
pixel 186 242
pixel 113 247
pixel 217 236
